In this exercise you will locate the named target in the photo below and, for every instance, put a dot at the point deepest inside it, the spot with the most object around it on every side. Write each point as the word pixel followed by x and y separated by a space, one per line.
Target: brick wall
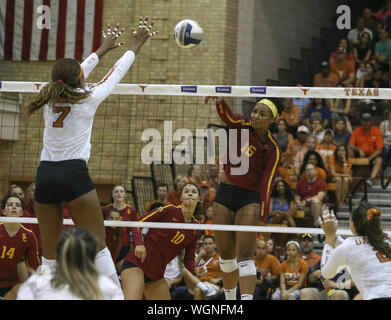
pixel 120 120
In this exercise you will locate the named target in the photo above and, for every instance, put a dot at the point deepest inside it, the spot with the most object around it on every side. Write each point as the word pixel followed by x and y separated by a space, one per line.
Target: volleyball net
pixel 146 134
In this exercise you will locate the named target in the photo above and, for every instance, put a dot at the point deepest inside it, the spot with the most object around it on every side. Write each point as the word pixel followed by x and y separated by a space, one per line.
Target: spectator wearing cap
pixel 293 273
pixel 310 193
pixel 268 271
pixel 343 68
pixel 325 78
pixel 342 131
pixel 355 34
pixel 307 250
pixel 291 114
pixel 383 50
pixel 341 172
pixel 367 142
pixel 327 148
pixel 297 144
pixel 320 110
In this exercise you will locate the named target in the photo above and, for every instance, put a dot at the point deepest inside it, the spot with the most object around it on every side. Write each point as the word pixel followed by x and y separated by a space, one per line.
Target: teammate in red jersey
pixel 18 246
pixel 127 213
pixel 144 266
pixel 243 196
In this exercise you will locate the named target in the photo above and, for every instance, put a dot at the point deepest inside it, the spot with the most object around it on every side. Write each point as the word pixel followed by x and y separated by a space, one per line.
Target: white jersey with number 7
pixel 68 127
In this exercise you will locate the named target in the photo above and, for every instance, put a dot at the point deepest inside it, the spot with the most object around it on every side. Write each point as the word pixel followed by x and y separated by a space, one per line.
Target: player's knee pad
pixel 247 268
pixel 228 265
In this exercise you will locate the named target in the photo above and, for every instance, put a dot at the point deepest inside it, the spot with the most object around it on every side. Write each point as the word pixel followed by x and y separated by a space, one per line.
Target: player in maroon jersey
pixel 144 266
pixel 18 246
pixel 243 196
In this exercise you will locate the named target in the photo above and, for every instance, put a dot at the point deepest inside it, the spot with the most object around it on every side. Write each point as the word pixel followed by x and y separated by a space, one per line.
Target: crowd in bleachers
pixel 321 140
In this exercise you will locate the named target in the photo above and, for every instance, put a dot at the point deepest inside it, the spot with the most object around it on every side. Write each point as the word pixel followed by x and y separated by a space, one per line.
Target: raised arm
pixel 103 88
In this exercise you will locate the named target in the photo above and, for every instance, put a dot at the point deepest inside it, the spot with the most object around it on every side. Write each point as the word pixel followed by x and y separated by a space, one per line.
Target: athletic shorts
pixel 234 197
pixel 127 264
pixel 4 291
pixel 62 181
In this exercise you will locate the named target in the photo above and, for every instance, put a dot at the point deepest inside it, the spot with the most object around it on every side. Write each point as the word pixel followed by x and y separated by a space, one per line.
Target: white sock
pixel 246 296
pixel 105 265
pixel 230 294
pixel 48 264
pixel 202 286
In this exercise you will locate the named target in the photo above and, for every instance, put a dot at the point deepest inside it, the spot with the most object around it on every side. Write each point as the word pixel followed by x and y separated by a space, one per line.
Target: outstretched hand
pixel 215 99
pixel 142 34
pixel 109 40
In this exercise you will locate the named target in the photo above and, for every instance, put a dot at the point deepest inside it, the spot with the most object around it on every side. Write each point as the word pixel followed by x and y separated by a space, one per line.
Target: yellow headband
pixel 271 106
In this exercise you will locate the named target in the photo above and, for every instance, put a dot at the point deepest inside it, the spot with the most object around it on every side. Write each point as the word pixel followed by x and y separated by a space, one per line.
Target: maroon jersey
pixel 22 246
pixel 264 160
pixel 163 245
pixel 113 240
pixel 307 190
pixel 29 212
pixel 127 214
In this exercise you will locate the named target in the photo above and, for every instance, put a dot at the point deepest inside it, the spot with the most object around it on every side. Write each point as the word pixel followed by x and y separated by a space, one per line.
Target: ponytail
pixel 367 222
pixel 55 92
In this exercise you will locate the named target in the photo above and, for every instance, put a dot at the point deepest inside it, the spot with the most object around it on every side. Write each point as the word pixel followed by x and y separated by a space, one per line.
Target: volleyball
pixel 188 33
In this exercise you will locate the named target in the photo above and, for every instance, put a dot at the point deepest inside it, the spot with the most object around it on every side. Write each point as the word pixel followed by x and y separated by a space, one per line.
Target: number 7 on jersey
pixel 59 123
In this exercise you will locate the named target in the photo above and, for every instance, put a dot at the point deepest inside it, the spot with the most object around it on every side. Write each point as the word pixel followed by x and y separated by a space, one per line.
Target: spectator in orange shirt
pixel 208 219
pixel 207 197
pixel 207 283
pixel 195 174
pixel 343 68
pixel 174 196
pixel 297 144
pixel 213 176
pixel 307 250
pixel 161 196
pixel 293 272
pixel 341 171
pixel 314 158
pixel 291 114
pixel 367 142
pixel 325 78
pixel 326 148
pixel 268 270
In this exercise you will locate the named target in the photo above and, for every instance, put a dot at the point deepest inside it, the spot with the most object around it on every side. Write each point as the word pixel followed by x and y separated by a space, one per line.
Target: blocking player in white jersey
pixel 62 175
pixel 367 254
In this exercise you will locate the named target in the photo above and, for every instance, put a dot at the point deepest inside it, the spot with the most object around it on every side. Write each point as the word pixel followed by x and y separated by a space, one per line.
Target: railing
pixel 353 192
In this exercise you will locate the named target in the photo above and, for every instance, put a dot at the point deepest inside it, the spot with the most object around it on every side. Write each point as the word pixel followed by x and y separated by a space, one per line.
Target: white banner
pixel 233 91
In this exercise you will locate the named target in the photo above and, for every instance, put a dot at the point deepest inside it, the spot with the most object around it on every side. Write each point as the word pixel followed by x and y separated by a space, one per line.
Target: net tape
pixel 193 226
pixel 221 90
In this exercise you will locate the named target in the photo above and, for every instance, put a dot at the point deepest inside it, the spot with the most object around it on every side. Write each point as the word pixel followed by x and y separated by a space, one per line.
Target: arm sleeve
pixel 104 87
pixel 89 64
pixel 32 255
pixel 332 259
pixel 189 259
pixel 233 120
pixel 267 181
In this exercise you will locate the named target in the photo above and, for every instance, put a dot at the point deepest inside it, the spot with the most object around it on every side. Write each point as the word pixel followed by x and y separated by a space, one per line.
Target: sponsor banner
pixel 190 89
pixel 259 90
pixel 362 92
pixel 226 89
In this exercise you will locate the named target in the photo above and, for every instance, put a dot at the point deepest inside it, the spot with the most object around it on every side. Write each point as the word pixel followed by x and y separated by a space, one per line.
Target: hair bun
pixel 372 212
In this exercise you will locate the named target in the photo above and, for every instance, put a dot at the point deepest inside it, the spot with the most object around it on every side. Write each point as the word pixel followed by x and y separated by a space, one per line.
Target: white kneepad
pixel 247 268
pixel 228 265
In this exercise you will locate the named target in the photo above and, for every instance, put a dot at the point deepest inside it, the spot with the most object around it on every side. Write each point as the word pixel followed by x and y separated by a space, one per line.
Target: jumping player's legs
pixel 245 248
pixel 157 290
pixel 226 242
pixel 50 219
pixel 86 212
pixel 133 283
